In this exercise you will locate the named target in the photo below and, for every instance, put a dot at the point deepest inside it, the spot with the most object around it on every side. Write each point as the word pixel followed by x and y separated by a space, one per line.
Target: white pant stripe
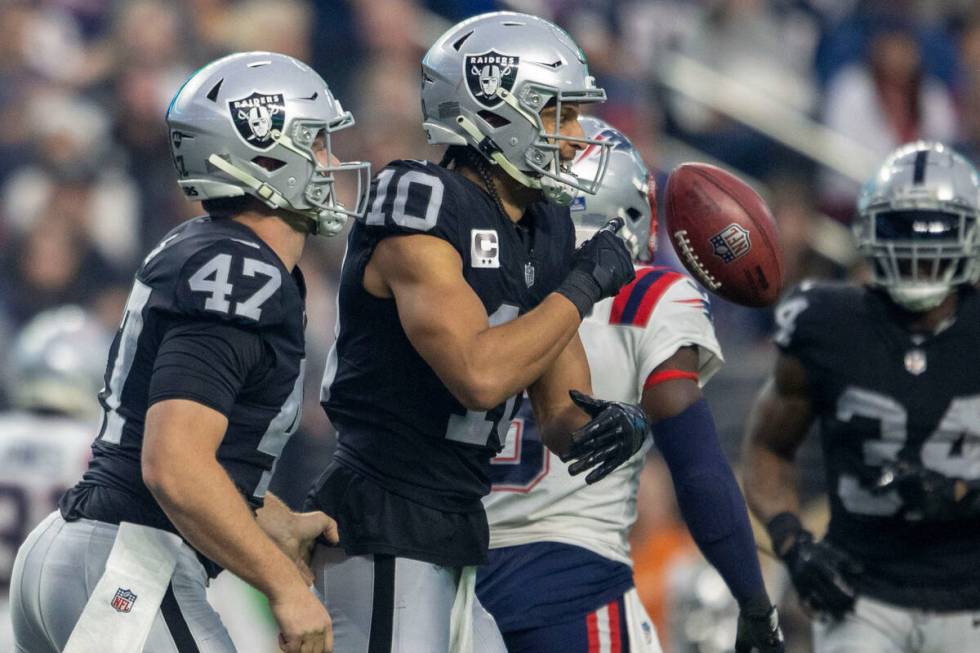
pixel 604 629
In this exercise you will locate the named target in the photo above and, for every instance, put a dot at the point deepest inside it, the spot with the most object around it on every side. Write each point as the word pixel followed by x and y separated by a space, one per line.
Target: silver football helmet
pixel 248 123
pixel 484 84
pixel 628 190
pixel 917 224
pixel 57 363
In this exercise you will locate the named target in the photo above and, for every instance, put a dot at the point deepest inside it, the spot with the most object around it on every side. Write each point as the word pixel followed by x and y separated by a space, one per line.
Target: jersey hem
pixel 189 396
pixel 521 540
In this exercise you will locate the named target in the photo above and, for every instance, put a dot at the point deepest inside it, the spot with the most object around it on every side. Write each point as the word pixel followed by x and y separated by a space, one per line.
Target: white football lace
pixel 692 258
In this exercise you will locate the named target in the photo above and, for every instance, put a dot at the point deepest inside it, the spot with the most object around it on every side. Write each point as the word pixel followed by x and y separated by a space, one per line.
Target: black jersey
pixel 881 394
pixel 398 425
pixel 216 318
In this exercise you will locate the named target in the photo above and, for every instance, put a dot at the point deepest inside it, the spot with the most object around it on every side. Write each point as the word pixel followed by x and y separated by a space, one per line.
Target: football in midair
pixel 724 234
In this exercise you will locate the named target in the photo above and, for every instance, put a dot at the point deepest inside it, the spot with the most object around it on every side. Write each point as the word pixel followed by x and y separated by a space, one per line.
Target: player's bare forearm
pixel 519 352
pixel 482 359
pixel 180 469
pixel 777 427
pixel 557 416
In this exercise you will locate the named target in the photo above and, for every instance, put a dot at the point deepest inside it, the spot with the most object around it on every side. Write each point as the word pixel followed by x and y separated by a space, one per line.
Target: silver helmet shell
pixel 917 224
pixel 57 363
pixel 247 124
pixel 484 84
pixel 628 191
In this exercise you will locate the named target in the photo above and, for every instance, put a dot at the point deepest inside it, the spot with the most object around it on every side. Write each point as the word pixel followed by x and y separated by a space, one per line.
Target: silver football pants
pixel 876 627
pixel 60 563
pixel 384 604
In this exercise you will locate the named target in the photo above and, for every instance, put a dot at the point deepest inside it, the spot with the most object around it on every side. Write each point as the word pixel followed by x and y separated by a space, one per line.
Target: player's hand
pixel 600 267
pixel 606 258
pixel 296 532
pixel 925 494
pixel 820 574
pixel 307 527
pixel 304 624
pixel 614 434
pixel 758 628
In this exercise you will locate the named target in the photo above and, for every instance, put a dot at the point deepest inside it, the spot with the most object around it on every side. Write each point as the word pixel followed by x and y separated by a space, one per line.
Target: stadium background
pixel 800 97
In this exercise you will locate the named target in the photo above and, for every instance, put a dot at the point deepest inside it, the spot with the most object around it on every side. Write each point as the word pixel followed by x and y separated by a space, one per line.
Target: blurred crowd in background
pixel 802 98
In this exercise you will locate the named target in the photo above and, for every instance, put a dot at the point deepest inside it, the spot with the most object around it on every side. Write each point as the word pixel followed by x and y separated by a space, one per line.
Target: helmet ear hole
pixel 493 119
pixel 268 163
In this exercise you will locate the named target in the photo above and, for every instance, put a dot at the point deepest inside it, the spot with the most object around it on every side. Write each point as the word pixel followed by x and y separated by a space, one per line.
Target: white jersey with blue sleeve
pixel 534 498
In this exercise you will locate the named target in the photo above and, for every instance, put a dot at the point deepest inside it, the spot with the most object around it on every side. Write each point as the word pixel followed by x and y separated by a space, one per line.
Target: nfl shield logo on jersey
pixel 487 72
pixel 915 362
pixel 258 118
pixel 123 600
pixel 731 243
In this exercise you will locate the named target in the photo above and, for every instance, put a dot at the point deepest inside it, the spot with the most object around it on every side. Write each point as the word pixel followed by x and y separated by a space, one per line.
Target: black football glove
pixel 926 494
pixel 758 628
pixel 820 572
pixel 614 434
pixel 600 267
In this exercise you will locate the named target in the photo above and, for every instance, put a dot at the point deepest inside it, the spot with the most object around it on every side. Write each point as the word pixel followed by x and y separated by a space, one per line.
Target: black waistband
pixel 373 520
pixel 113 506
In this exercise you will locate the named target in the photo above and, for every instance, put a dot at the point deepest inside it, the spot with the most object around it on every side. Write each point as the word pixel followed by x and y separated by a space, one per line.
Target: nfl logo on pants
pixel 123 600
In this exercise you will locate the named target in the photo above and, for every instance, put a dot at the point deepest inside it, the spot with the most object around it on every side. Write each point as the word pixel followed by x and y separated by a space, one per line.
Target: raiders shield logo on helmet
pixel 257 116
pixel 487 72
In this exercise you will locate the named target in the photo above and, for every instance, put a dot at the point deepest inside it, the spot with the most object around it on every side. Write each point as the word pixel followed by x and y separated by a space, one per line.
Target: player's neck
pixel 933 320
pixel 514 196
pixel 285 241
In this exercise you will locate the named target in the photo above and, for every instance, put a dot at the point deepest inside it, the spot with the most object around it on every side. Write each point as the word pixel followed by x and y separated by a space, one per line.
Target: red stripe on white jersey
pixel 653 295
pixel 619 304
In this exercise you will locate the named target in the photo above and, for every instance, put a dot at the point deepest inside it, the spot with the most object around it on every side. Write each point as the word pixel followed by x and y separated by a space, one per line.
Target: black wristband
pixel 580 289
pixel 782 527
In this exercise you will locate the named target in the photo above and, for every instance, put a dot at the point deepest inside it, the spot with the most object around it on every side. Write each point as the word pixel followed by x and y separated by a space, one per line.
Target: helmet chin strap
pixel 919 298
pixel 554 191
pixel 325 222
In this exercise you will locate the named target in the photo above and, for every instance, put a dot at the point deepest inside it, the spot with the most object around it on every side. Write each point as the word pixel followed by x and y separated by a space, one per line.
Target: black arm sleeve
pixel 203 361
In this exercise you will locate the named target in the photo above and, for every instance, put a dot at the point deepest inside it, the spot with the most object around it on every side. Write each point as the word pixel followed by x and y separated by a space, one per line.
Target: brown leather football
pixel 724 234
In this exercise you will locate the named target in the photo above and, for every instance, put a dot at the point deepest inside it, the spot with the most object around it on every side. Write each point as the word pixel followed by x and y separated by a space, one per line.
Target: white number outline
pixel 786 316
pixel 961 418
pixel 251 307
pixel 219 289
pixel 476 427
pixel 398 215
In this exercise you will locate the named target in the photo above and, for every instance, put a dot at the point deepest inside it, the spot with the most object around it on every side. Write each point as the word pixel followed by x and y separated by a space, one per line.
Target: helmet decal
pixel 513 65
pixel 265 102
pixel 918 226
pixel 257 117
pixel 615 139
pixel 486 73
